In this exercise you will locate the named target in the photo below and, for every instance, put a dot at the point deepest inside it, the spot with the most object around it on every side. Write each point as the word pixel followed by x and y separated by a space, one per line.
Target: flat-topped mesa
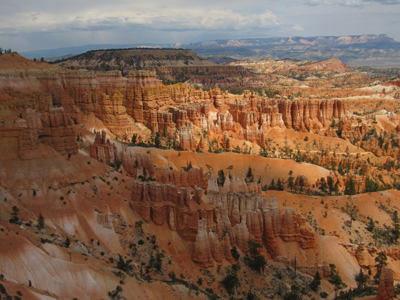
pixel 54 128
pixel 186 137
pixel 136 163
pixel 193 177
pixel 103 150
pixel 386 287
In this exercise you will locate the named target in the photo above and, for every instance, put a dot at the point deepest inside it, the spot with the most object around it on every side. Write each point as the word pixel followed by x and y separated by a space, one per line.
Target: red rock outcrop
pixel 237 217
pixel 241 235
pixel 135 163
pixel 202 249
pixel 162 203
pixel 257 136
pixel 226 249
pixel 194 177
pixel 297 114
pixel 386 286
pixel 186 137
pixel 105 220
pixel 54 128
pixel 215 247
pixel 103 150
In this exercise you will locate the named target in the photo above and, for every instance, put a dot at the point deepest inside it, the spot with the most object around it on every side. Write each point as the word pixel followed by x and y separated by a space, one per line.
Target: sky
pixel 27 25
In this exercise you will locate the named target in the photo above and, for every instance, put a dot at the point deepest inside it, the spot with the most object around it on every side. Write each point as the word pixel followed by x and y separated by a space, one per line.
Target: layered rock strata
pixel 193 177
pixel 103 150
pixel 386 286
pixel 136 163
pixel 54 128
pixel 186 137
pixel 230 219
pixel 297 114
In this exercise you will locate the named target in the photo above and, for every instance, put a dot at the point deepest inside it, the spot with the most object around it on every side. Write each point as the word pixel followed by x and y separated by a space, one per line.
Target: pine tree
pixel 279 185
pixel 396 222
pixel 138 225
pixel 371 225
pixel 15 211
pixel 67 243
pixel 381 262
pixel 272 185
pixel 221 178
pixel 301 183
pixel 361 279
pixel 40 221
pixel 316 282
pixel 290 183
pixel 134 138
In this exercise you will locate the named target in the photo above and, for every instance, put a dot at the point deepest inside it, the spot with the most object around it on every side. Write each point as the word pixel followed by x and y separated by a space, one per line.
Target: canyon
pixel 133 187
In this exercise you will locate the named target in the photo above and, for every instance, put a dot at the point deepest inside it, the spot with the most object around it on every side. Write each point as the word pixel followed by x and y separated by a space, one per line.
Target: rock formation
pixel 186 137
pixel 193 177
pixel 163 203
pixel 54 128
pixel 103 150
pixel 135 163
pixel 386 287
pixel 236 217
pixel 202 250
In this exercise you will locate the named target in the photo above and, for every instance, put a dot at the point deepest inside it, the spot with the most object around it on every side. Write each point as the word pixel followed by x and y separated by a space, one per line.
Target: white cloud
pixel 350 3
pixel 297 28
pixel 226 20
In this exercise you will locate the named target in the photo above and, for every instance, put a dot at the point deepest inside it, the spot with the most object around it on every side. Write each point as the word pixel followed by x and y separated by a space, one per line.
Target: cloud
pixel 223 20
pixel 297 28
pixel 350 3
pixel 387 2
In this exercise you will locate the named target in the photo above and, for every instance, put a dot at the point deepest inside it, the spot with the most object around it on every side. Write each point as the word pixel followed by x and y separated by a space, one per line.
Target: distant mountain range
pixel 379 51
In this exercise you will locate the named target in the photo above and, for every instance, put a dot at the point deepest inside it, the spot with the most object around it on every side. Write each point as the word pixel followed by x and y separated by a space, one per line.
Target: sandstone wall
pixel 230 219
pixel 54 128
pixel 386 286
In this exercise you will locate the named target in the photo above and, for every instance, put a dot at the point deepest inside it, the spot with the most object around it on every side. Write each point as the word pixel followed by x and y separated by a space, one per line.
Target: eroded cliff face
pixel 54 128
pixel 193 177
pixel 229 219
pixel 386 286
pixel 120 101
pixel 297 114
